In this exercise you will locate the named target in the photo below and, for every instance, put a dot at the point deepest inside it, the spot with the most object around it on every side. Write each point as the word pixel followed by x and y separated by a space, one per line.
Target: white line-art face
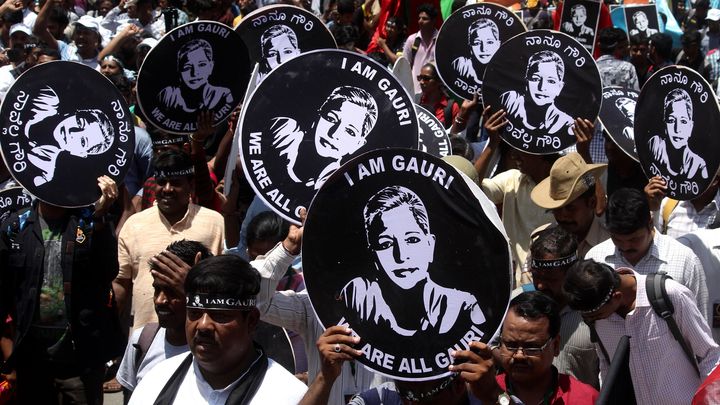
pixel 196 66
pixel 484 40
pixel 403 248
pixel 344 121
pixel 545 77
pixel 627 107
pixel 82 133
pixel 579 15
pixel 279 44
pixel 678 118
pixel 641 20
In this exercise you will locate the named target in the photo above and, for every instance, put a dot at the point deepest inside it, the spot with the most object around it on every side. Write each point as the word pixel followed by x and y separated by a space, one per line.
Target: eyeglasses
pixel 528 351
pixel 421 78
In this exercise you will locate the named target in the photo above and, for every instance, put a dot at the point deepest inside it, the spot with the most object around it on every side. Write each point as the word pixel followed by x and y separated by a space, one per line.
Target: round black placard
pixel 433 137
pixel 11 200
pixel 64 125
pixel 579 20
pixel 544 80
pixel 467 41
pixel 278 33
pixel 617 115
pixel 202 65
pixel 675 122
pixel 313 113
pixel 407 252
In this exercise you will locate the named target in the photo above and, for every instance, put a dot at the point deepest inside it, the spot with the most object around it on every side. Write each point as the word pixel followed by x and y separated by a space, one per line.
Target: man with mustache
pixel 156 342
pixel 224 365
pixel 569 192
pixel 144 234
pixel 634 243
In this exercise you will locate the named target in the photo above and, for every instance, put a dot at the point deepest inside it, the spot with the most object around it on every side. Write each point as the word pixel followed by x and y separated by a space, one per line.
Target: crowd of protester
pixel 109 298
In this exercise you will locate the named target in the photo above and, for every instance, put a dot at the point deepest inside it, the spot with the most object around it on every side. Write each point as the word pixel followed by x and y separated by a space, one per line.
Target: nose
pixel 161 298
pixel 482 46
pixel 399 252
pixel 167 187
pixel 205 323
pixel 541 84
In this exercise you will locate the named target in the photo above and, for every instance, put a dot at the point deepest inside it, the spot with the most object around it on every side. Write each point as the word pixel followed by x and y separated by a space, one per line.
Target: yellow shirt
pixel 148 233
pixel 520 215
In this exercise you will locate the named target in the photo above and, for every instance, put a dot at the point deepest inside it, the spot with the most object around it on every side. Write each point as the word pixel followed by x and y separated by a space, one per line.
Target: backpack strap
pixel 144 341
pixel 667 210
pixel 660 302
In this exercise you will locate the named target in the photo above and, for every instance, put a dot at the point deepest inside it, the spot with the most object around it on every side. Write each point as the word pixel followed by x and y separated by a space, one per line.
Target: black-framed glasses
pixel 421 78
pixel 528 351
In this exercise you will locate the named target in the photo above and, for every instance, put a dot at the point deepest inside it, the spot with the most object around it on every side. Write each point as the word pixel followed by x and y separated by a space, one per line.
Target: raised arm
pixel 41 26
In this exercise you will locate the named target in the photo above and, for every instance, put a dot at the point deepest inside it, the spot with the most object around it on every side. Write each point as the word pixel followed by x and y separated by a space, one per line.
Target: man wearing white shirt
pixel 617 304
pixel 706 245
pixel 224 366
pixel 635 243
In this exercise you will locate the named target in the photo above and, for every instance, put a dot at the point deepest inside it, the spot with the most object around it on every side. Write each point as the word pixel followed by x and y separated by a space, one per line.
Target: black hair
pixel 690 36
pixel 587 284
pixel 45 51
pixel 555 241
pixel 609 38
pixel 639 39
pixel 186 250
pixel 551 158
pixel 12 17
pixel 59 16
pixel 535 305
pixel 432 67
pixel 267 226
pixel 702 4
pixel 663 44
pixel 224 274
pixel 346 6
pixel 627 211
pixel 461 147
pixel 172 160
pixel 344 34
pixel 428 9
pixel 121 82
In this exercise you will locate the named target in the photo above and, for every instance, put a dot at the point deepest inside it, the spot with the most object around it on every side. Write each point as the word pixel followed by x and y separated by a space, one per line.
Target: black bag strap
pixel 147 336
pixel 414 49
pixel 660 302
pixel 448 112
pixel 594 338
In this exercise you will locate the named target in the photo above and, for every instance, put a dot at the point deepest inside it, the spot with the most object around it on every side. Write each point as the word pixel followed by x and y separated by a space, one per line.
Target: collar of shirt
pixel 596 234
pixel 207 391
pixel 185 222
pixel 604 58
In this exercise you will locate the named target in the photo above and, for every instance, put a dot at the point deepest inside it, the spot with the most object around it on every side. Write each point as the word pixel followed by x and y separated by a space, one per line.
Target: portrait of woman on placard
pixel 535 106
pixel 340 128
pixel 670 152
pixel 484 41
pixel 278 44
pixel 195 65
pixel 400 294
pixel 51 131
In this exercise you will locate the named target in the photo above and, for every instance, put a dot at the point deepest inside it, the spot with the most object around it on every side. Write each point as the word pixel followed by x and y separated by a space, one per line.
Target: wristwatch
pixel 504 399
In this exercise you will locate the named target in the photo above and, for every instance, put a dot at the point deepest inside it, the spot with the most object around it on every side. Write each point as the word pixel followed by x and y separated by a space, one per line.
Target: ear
pixel 253 317
pixel 198 256
pixel 431 246
pixel 556 345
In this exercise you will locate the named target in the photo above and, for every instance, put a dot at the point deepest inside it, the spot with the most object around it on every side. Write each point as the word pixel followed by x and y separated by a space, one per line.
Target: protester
pixel 86 38
pixel 148 232
pixel 636 244
pixel 419 47
pixel 639 57
pixel 676 218
pixel 612 64
pixel 156 342
pixel 570 192
pixel 615 303
pixel 224 365
pixel 553 251
pixel 64 324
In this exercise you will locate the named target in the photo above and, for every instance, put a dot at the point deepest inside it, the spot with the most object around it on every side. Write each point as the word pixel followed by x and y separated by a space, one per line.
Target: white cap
pixel 20 27
pixel 89 23
pixel 149 42
pixel 713 14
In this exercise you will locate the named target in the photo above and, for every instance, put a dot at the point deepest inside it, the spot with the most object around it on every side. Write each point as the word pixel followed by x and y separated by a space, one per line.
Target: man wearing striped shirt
pixel 635 243
pixel 617 304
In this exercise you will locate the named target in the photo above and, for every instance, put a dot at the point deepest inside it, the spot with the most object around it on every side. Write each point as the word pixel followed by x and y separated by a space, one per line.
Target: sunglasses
pixel 421 78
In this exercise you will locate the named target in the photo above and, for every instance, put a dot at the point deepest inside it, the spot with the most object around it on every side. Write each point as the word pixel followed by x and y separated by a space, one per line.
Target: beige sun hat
pixel 567 181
